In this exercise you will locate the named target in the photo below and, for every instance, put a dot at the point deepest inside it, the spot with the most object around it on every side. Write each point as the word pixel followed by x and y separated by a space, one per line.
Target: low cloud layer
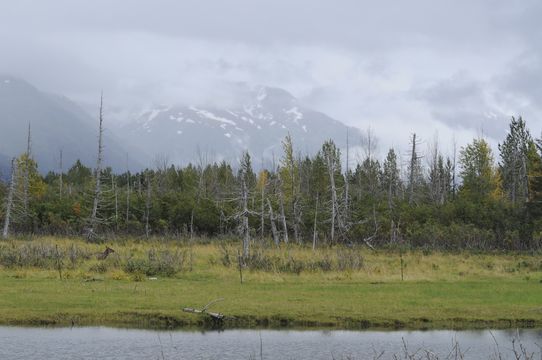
pixel 458 69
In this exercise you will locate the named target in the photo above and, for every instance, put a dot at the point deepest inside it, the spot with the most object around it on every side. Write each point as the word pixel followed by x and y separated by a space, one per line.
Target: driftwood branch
pixel 213 315
pixel 211 303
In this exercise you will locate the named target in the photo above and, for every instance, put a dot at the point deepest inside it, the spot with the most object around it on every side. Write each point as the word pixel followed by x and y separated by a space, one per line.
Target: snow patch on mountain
pixel 295 114
pixel 258 125
pixel 210 115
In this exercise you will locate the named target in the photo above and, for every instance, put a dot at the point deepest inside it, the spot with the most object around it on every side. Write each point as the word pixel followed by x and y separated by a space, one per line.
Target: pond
pixel 113 343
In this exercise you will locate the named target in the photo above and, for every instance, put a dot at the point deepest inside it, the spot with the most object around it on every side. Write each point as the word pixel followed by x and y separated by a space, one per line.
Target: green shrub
pixel 157 262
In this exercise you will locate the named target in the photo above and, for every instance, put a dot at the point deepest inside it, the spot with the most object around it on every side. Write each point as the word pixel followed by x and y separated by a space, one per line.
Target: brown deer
pixel 105 254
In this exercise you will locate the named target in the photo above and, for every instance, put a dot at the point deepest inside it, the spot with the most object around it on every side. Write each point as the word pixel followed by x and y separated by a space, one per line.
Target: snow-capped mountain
pixel 259 124
pixel 182 134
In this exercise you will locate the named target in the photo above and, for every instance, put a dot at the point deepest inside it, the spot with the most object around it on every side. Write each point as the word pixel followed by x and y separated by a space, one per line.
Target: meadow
pixel 147 282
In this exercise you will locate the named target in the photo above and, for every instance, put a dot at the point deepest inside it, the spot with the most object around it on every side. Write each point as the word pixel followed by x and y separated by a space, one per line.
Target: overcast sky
pixel 453 68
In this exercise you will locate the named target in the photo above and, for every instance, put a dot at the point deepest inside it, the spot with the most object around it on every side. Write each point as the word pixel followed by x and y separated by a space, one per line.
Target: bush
pixel 163 262
pixel 31 254
pixel 344 259
pixel 455 236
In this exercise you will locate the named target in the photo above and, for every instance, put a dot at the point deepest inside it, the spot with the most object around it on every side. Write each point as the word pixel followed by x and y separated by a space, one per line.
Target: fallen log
pixel 214 315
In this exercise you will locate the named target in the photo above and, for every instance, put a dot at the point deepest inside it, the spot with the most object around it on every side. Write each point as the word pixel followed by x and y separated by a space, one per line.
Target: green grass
pixel 440 291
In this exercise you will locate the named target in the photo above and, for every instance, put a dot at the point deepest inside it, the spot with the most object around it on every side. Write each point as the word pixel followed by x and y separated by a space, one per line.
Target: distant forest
pixel 468 200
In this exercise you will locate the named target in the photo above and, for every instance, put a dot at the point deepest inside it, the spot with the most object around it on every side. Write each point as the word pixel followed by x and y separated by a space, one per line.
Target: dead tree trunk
pixel 147 207
pixel 128 199
pixel 9 202
pixel 283 217
pixel 331 169
pixel 60 177
pixel 314 231
pixel 347 175
pixel 114 186
pixel 198 194
pixel 295 224
pixel 296 208
pixel 26 172
pixel 297 216
pixel 453 168
pixel 337 222
pixel 128 190
pixel 262 214
pixel 98 185
pixel 273 226
pixel 413 171
pixel 245 225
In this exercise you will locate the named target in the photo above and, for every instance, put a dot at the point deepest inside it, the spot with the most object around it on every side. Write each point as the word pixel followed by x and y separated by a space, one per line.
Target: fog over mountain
pixel 459 69
pixel 56 124
pixel 257 121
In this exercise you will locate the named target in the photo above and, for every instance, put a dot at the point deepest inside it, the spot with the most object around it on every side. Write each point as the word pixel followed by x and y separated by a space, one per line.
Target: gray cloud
pixel 450 67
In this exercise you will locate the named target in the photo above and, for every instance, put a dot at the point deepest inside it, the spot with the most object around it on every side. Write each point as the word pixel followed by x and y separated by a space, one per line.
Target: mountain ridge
pixel 56 123
pixel 258 125
pixel 177 134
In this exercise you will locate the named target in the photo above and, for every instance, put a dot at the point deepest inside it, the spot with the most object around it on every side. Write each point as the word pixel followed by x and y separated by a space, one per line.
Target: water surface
pixel 111 343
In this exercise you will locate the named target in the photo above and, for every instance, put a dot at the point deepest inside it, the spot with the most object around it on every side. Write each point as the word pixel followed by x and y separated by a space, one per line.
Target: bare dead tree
pixel 26 171
pixel 413 170
pixel 202 162
pixel 262 215
pixel 347 175
pixel 289 185
pixel 128 191
pixel 9 201
pixel 245 225
pixel 148 199
pixel 161 164
pixel 314 231
pixel 333 201
pixel 274 231
pixel 340 223
pixel 297 207
pixel 98 174
pixel 454 185
pixel 61 173
pixel 282 214
pixel 297 220
pixel 331 162
pixel 116 195
pixel 263 179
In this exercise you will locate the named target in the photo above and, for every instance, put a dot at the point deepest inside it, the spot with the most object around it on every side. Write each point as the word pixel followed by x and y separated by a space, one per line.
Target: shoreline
pixel 162 322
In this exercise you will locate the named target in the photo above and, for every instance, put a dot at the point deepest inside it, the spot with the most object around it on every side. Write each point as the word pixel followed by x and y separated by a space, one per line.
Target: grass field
pixel 49 281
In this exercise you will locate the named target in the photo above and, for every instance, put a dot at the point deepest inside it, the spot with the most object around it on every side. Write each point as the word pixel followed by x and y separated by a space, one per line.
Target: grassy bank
pixel 148 283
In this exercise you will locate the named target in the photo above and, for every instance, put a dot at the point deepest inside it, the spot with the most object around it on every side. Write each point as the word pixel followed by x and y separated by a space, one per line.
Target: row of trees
pixel 465 200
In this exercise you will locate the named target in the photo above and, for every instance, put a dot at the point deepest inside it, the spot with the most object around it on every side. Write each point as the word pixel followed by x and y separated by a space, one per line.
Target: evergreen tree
pixel 479 176
pixel 514 165
pixel 391 181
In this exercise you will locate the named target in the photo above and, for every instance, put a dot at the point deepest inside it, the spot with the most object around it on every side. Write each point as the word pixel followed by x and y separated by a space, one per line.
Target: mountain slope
pixel 258 125
pixel 56 123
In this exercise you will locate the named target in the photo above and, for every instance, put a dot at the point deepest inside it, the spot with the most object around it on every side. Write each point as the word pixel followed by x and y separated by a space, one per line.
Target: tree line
pixel 464 200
